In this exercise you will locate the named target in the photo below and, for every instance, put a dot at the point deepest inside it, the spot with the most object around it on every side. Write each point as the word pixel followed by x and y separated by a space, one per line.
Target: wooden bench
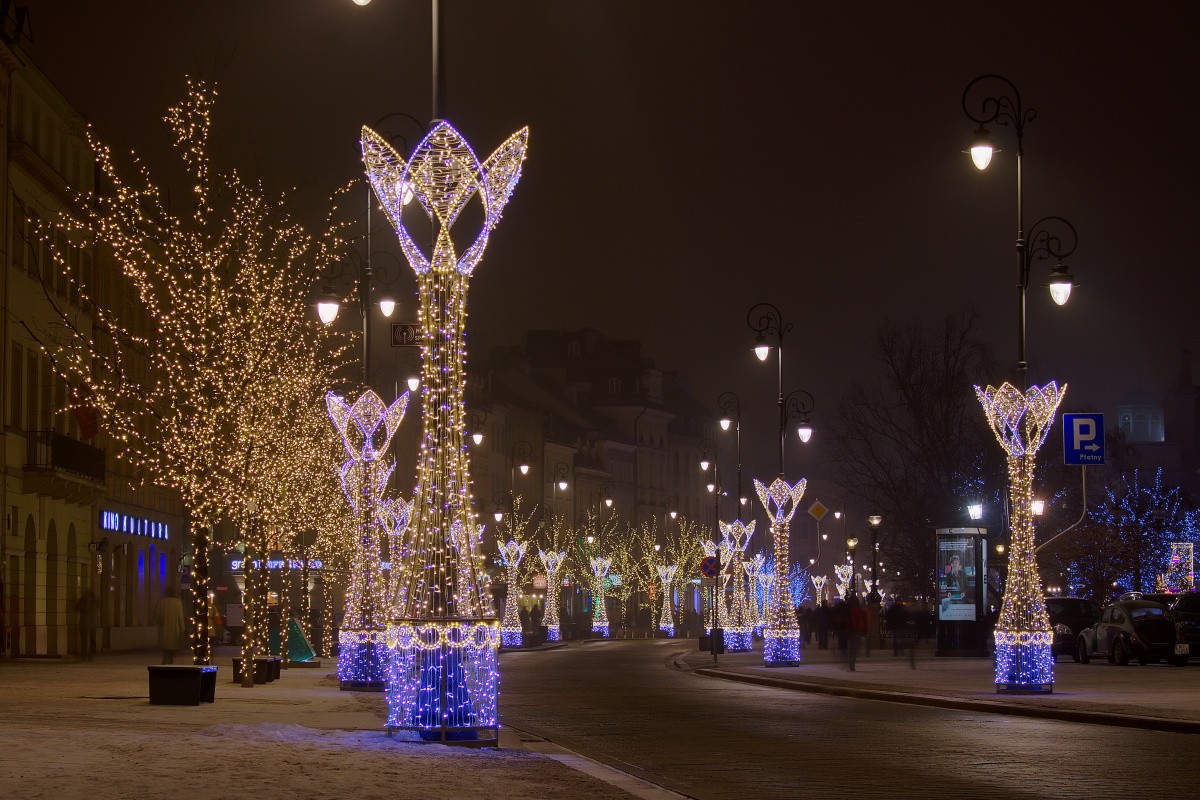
pixel 182 684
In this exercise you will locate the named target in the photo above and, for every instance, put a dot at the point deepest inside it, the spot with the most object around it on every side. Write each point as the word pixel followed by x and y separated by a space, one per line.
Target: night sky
pixel 689 159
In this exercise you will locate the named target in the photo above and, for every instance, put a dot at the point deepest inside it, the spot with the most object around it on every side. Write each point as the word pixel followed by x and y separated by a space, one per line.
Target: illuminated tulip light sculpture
pixel 553 563
pixel 510 628
pixel 781 643
pixel 600 568
pixel 1021 421
pixel 362 651
pixel 739 637
pixel 443 633
pixel 666 620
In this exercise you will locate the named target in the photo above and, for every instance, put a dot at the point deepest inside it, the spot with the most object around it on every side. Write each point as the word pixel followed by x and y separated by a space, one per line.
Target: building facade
pixel 78 523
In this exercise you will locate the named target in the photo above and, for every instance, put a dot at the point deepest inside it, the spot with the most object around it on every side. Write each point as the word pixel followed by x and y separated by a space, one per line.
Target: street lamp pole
pixel 874 521
pixel 765 320
pixel 1050 237
pixel 732 406
pixel 852 589
pixel 708 456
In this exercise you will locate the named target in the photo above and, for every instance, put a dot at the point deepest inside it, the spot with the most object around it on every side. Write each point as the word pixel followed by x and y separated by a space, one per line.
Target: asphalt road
pixel 621 703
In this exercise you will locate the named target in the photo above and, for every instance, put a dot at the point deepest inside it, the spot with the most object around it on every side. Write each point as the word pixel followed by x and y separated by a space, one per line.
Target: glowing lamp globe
pixel 524 469
pixel 608 502
pixel 1039 507
pixel 725 423
pixel 874 520
pixel 674 514
pixel 477 438
pixel 361 2
pixel 413 383
pixel 591 539
pixel 761 348
pixel 386 307
pixel 1060 284
pixel 327 310
pixel 712 487
pixel 806 431
pixel 704 465
pixel 562 485
pixel 499 515
pixel 975 511
pixel 981 149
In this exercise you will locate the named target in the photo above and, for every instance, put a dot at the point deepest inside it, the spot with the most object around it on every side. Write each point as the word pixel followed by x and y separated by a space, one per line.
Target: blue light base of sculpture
pixel 669 630
pixel 602 630
pixel 444 694
pixel 552 633
pixel 362 667
pixel 738 640
pixel 781 650
pixel 511 638
pixel 1024 668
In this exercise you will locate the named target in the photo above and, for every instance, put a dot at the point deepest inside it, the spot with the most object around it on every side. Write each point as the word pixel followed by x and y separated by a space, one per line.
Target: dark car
pixel 1138 629
pixel 1185 607
pixel 1070 616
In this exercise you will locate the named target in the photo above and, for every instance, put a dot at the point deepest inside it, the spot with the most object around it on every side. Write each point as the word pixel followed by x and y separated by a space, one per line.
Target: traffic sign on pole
pixel 709 567
pixel 1083 439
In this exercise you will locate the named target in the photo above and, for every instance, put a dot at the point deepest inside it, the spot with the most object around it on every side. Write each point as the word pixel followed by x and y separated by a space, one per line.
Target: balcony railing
pixel 51 449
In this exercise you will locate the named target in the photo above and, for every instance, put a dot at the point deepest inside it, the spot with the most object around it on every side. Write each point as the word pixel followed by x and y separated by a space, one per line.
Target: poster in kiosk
pixel 961 563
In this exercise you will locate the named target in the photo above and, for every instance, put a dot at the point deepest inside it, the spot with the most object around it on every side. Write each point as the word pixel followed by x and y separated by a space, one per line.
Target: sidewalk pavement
pixel 1156 696
pixel 71 729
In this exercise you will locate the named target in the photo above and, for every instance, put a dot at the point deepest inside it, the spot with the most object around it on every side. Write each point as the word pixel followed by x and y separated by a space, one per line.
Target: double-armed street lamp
pixel 1050 237
pixel 765 320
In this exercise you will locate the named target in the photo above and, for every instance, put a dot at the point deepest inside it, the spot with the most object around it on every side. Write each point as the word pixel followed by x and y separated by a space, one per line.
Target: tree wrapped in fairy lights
pixel 364 476
pixel 553 562
pixel 753 568
pixel 600 567
pixel 443 634
pixel 666 620
pixel 510 629
pixel 781 647
pixel 739 636
pixel 1021 422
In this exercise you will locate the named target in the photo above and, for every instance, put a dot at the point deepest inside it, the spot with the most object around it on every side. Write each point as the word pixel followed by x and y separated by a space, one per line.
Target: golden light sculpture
pixel 781 644
pixel 553 563
pixel 443 634
pixel 666 619
pixel 511 553
pixel 600 568
pixel 367 428
pixel 1021 422
pixel 739 636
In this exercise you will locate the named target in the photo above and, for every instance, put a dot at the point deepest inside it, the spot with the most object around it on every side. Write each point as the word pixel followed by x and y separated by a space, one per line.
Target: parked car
pixel 1185 607
pixel 1139 629
pixel 1070 616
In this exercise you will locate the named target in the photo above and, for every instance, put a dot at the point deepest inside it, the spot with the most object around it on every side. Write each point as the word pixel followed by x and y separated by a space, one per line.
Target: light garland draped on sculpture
pixel 666 620
pixel 443 634
pixel 1024 639
pixel 362 659
pixel 553 563
pixel 600 568
pixel 781 646
pixel 819 588
pixel 844 573
pixel 511 554
pixel 739 637
pixel 754 568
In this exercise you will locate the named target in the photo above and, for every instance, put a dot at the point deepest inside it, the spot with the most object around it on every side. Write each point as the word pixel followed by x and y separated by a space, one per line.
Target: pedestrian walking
pixel 170 625
pixel 86 611
pixel 856 619
pixel 822 618
pixel 897 625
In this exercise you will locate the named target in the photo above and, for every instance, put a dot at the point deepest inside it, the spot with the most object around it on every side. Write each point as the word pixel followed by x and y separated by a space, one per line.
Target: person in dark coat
pixel 822 618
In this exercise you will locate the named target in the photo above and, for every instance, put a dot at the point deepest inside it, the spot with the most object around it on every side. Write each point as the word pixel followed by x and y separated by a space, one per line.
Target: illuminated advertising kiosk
pixel 961 601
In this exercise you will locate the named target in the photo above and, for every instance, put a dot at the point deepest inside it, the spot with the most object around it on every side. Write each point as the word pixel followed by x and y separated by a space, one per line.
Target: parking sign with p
pixel 1083 439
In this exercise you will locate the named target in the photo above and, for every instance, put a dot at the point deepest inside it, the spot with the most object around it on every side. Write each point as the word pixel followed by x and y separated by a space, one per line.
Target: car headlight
pixel 1063 630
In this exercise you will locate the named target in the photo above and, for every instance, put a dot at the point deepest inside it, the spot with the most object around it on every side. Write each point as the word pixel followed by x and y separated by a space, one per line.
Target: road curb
pixel 961 704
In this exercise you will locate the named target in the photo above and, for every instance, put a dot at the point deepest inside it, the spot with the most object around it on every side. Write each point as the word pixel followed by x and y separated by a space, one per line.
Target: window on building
pixel 31 391
pixel 572 349
pixel 614 385
pixel 15 394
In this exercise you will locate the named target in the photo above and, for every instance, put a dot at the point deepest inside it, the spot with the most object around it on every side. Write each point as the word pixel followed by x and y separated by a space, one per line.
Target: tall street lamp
pixel 708 458
pixel 1050 237
pixel 852 589
pixel 731 407
pixel 874 521
pixel 764 319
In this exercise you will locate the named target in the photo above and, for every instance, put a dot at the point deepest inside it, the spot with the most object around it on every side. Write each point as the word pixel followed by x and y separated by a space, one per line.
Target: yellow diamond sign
pixel 818 510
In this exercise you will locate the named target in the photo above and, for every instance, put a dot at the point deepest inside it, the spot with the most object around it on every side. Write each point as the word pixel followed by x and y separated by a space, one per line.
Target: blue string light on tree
pixel 443 634
pixel 1024 639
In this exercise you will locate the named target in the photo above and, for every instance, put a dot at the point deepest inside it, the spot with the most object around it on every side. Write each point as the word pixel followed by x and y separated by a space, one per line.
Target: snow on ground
pixel 86 730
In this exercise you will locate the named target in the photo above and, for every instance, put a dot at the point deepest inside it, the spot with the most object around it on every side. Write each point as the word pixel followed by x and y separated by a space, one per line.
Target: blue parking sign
pixel 1083 439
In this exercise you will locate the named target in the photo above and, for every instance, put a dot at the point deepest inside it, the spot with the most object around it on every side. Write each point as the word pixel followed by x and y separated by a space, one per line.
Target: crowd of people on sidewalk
pixel 851 626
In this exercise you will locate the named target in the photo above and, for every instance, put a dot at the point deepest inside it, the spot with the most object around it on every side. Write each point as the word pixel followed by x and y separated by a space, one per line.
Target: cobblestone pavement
pixel 622 702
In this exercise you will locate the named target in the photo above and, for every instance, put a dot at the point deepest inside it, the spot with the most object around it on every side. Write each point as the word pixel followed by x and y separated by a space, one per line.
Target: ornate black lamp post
pixel 874 521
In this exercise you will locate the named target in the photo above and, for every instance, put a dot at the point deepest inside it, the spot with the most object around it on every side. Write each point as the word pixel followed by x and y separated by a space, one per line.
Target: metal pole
pixel 782 410
pixel 1022 274
pixel 439 64
pixel 364 297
